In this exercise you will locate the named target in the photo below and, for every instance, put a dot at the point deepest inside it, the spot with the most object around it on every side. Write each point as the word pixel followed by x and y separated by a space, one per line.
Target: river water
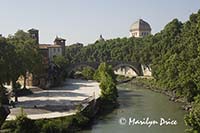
pixel 141 104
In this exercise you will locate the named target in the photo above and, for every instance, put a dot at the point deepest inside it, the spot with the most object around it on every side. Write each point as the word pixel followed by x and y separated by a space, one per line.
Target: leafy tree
pixel 107 80
pixel 87 73
pixel 6 53
pixel 27 51
pixel 193 118
pixel 27 57
pixel 61 65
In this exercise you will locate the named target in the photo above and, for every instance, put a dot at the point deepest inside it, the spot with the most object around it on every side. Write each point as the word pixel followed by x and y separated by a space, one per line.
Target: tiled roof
pixel 46 46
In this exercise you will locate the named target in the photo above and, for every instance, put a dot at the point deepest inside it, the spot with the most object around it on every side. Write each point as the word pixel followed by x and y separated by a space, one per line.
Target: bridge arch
pixel 136 67
pixel 122 65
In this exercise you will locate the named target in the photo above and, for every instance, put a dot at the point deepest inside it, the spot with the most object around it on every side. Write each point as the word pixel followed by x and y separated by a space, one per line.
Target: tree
pixel 193 118
pixel 107 80
pixel 27 57
pixel 87 73
pixel 28 51
pixel 6 53
pixel 59 73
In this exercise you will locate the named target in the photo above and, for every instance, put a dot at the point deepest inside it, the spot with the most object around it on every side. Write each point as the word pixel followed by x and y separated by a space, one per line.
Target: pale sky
pixel 84 20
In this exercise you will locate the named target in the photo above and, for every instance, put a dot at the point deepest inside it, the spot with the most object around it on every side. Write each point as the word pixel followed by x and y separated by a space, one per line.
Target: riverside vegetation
pixel 173 55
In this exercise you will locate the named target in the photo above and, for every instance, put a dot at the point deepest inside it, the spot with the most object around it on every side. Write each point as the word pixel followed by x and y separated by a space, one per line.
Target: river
pixel 139 103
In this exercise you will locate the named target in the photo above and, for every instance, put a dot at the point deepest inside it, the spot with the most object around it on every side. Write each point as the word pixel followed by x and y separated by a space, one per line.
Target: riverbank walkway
pixel 56 102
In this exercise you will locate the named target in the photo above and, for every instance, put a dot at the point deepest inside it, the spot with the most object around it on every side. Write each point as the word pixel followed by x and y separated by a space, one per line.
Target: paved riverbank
pixel 57 102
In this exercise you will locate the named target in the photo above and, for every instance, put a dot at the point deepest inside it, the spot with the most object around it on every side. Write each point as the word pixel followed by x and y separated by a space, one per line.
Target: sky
pixel 84 20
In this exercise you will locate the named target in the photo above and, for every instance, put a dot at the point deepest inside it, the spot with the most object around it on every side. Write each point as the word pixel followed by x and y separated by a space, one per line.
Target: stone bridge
pixel 115 64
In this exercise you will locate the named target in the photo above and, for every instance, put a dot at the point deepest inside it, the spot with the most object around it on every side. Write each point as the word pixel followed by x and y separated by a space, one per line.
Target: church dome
pixel 140 25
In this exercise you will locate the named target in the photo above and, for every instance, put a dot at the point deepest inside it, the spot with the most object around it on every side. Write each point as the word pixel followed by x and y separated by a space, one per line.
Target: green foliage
pixel 27 58
pixel 3 96
pixel 62 125
pixel 104 69
pixel 11 125
pixel 60 61
pixel 193 118
pixel 177 66
pixel 108 89
pixel 122 78
pixel 25 125
pixel 58 125
pixel 22 124
pixel 107 80
pixel 7 57
pixel 51 127
pixel 61 64
pixel 126 49
pixel 87 73
pixel 18 54
pixel 3 114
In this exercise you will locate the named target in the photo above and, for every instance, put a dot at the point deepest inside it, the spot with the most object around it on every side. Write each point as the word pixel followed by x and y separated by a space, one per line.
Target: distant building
pixel 49 51
pixel 140 28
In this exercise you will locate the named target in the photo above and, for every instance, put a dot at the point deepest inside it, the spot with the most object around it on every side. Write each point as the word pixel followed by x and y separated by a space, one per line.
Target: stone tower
pixel 61 42
pixel 34 34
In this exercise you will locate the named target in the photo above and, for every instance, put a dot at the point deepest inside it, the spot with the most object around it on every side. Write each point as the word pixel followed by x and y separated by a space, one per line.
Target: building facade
pixel 53 51
pixel 140 28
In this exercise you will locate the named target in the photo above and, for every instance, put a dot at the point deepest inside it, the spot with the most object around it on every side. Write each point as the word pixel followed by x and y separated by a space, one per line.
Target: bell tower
pixel 34 34
pixel 61 42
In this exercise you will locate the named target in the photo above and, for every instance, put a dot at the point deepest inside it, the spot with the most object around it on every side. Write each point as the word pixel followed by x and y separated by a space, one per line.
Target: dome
pixel 140 25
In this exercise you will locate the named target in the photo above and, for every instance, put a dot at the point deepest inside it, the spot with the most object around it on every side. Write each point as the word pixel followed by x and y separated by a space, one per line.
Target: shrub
pixel 63 125
pixel 193 118
pixel 88 73
pixel 25 125
pixel 3 96
pixel 51 127
pixel 3 114
pixel 9 125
